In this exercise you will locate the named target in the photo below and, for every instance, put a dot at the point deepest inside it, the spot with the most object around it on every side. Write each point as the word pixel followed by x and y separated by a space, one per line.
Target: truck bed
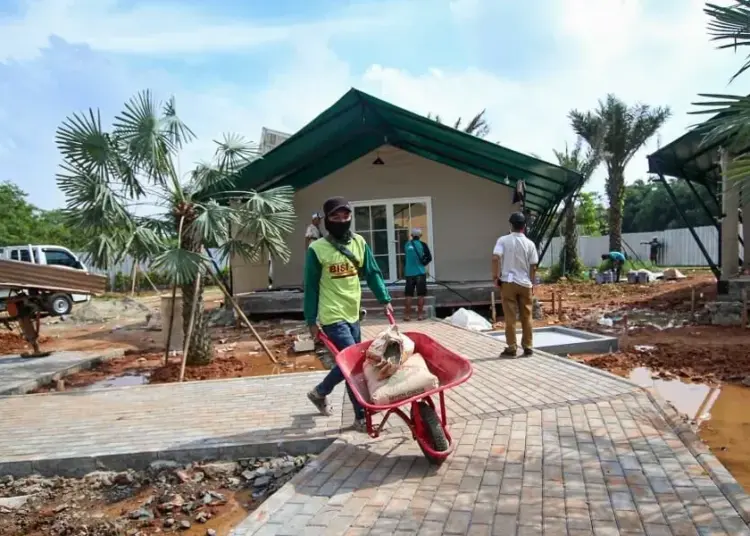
pixel 24 275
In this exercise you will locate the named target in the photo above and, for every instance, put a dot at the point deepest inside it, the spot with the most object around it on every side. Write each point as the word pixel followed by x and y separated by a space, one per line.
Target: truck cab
pixel 60 304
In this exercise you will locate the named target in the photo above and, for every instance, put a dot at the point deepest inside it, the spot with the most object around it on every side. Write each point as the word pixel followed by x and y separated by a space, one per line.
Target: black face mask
pixel 340 230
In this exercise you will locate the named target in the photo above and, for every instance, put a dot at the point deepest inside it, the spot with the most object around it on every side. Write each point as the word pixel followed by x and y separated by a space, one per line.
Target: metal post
pixel 568 201
pixel 673 197
pixel 702 203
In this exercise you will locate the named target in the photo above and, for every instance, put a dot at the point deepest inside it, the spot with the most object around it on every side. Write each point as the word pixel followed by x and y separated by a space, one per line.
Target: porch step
pixel 398 312
pixel 369 302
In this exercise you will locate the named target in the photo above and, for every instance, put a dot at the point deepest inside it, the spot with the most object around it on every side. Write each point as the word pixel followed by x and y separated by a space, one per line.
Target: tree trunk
pixel 201 347
pixel 201 350
pixel 616 194
pixel 569 253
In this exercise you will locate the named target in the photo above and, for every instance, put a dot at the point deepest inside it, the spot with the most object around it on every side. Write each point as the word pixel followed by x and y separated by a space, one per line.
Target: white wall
pixel 680 248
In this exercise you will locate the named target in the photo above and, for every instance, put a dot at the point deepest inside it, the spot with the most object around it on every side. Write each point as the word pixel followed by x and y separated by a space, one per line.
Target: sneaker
pixel 509 353
pixel 320 402
pixel 528 352
pixel 360 425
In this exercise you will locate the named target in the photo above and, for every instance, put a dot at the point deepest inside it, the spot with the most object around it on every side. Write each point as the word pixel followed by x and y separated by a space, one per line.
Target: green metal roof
pixel 359 123
pixel 688 158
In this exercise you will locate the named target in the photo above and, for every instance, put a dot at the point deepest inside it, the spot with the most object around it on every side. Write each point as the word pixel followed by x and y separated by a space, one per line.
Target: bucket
pixel 166 310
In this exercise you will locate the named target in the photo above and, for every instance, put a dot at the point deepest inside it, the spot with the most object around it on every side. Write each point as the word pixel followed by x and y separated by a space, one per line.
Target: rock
pixel 60 507
pixel 210 532
pixel 141 514
pixel 169 523
pixel 6 480
pixel 125 478
pixel 220 469
pixel 182 475
pixel 100 478
pixel 185 524
pixel 199 476
pixel 162 465
pixel 262 481
pixel 234 482
pixel 248 474
pixel 201 517
pixel 746 381
pixel 14 503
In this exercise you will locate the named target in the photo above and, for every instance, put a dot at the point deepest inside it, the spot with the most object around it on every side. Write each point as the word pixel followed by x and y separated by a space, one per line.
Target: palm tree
pixel 730 26
pixel 478 126
pixel 125 194
pixel 585 164
pixel 623 130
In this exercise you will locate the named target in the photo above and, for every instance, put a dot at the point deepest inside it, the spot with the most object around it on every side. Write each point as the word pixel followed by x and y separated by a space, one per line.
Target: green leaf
pixel 212 226
pixel 180 265
pixel 147 145
pixel 732 24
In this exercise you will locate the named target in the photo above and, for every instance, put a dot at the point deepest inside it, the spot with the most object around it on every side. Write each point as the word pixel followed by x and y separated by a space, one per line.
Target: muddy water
pixel 126 380
pixel 721 413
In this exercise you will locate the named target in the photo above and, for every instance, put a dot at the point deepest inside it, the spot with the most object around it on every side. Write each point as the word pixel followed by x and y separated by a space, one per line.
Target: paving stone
pixel 542 446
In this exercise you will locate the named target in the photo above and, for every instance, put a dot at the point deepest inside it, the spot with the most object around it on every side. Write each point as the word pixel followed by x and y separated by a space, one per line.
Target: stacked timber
pixel 24 275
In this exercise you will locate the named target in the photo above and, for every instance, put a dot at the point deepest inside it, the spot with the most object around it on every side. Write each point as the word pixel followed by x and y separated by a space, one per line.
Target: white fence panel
pixel 126 266
pixel 680 248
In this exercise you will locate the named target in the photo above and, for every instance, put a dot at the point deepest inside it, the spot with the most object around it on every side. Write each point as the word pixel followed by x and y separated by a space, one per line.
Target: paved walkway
pixel 545 446
pixel 20 375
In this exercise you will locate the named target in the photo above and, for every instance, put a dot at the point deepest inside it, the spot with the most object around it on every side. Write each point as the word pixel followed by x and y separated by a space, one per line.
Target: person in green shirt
pixel 333 294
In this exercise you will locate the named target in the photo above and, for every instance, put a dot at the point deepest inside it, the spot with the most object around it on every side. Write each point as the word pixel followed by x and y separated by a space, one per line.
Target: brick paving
pixel 549 448
pixel 544 446
pixel 159 419
pixel 19 375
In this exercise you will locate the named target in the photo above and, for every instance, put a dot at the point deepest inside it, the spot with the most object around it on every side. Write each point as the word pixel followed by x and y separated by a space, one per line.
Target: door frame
pixel 389 202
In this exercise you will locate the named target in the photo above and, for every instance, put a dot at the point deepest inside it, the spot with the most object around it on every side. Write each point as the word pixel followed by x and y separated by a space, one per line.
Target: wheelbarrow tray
pixel 450 368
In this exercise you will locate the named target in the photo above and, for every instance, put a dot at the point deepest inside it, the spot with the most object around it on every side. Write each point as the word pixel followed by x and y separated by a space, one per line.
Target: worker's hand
pixel 497 282
pixel 388 309
pixel 314 330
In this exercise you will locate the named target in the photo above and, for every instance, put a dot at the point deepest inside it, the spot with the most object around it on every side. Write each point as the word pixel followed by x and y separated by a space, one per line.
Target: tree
pixel 585 164
pixel 478 126
pixel 591 215
pixel 23 223
pixel 648 207
pixel 125 195
pixel 730 26
pixel 623 130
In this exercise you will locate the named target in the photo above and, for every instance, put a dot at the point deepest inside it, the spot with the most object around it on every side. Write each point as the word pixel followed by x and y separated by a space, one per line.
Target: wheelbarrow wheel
pixel 434 432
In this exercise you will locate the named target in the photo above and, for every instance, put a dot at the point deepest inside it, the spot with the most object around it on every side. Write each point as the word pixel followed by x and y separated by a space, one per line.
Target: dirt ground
pixel 701 354
pixel 195 500
pixel 134 326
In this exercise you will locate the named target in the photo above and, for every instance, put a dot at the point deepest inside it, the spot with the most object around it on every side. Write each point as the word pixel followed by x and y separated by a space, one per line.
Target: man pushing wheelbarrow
pixel 333 294
pixel 394 372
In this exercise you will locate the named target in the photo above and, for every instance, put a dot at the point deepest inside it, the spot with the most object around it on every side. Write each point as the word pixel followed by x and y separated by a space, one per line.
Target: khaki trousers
pixel 517 299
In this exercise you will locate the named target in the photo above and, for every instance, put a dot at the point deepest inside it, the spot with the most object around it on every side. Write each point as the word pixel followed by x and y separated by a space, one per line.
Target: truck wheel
pixel 59 304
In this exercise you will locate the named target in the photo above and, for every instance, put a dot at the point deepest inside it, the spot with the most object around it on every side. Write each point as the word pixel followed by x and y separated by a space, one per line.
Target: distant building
pixel 270 139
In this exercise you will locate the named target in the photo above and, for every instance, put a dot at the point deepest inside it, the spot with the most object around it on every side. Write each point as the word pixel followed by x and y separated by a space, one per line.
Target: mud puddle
pixel 719 411
pixel 126 380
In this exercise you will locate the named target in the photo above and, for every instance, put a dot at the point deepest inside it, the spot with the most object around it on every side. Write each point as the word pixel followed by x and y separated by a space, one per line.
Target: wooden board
pixel 24 275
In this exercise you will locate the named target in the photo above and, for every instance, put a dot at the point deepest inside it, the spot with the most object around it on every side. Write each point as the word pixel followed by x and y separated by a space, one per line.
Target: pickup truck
pixel 59 303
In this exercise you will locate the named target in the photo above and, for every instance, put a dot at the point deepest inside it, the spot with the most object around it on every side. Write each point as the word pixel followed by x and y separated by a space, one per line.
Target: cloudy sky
pixel 239 65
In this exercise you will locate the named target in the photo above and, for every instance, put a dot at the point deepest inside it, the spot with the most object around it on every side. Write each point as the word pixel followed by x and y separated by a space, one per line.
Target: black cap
pixel 334 204
pixel 517 219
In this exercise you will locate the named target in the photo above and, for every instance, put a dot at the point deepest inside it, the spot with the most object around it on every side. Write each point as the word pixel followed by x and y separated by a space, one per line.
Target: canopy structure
pixel 697 163
pixel 359 123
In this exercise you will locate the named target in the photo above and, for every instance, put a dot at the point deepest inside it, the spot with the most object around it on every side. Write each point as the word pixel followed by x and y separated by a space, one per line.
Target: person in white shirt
pixel 312 233
pixel 514 263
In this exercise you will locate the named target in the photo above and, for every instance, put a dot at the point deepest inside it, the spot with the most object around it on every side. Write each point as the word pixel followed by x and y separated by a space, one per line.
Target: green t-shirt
pixel 333 292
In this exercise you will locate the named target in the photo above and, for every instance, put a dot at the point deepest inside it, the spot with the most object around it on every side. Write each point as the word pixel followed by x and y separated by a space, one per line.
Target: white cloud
pixel 602 46
pixel 168 29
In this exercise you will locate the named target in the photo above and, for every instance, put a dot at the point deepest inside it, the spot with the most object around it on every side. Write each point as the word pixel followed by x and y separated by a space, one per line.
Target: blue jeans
pixel 342 335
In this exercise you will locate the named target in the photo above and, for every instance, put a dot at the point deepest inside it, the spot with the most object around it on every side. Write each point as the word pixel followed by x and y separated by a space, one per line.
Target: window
pixel 56 257
pixel 14 255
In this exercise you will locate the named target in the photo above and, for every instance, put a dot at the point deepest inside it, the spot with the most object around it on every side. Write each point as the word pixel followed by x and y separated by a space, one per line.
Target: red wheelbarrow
pixel 430 431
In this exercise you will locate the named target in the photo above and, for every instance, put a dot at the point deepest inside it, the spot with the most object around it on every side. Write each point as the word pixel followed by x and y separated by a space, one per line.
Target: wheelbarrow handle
pixel 322 337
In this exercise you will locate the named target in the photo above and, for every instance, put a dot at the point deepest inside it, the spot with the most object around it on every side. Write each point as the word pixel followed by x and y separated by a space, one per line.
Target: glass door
pixel 386 226
pixel 371 221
